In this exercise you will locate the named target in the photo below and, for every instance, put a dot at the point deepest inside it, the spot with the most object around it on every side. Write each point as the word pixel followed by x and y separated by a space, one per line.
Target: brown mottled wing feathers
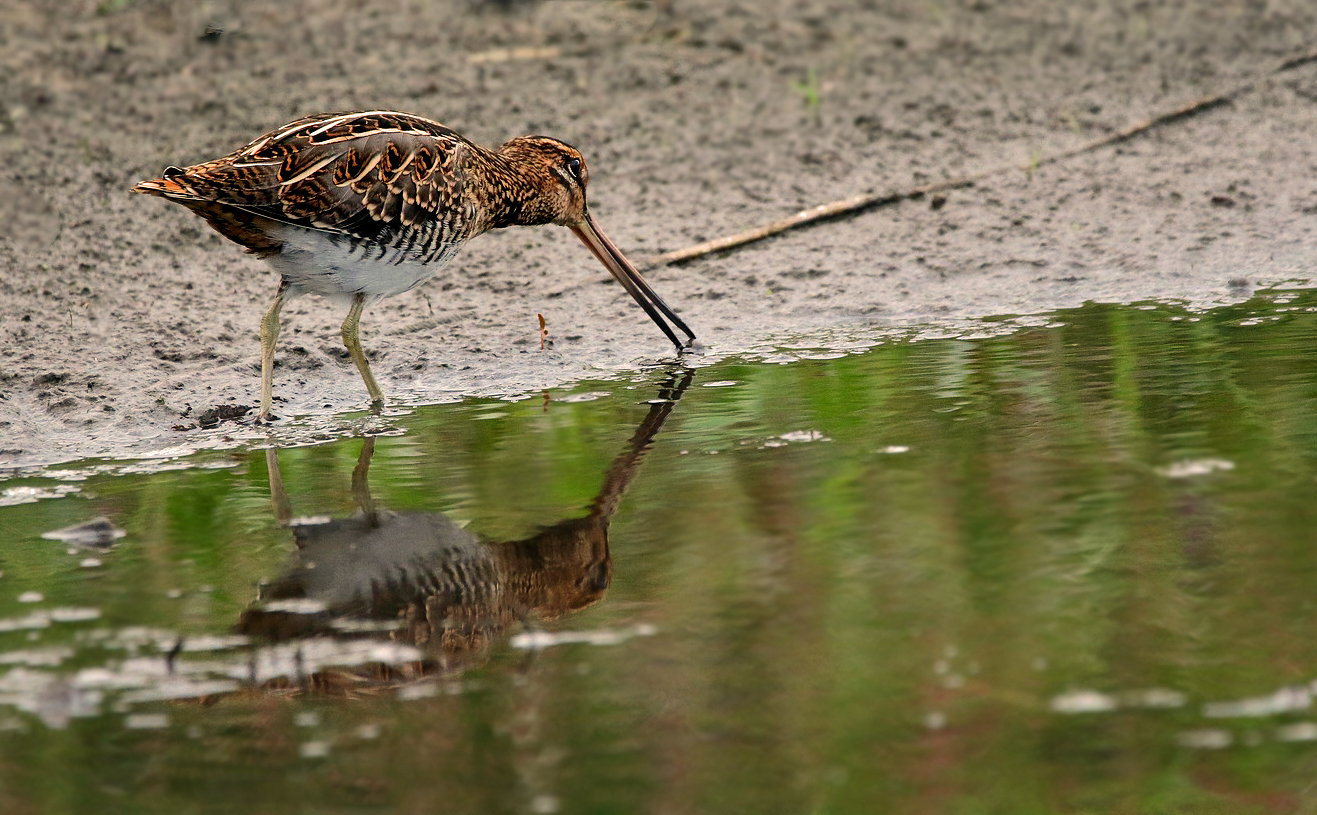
pixel 379 178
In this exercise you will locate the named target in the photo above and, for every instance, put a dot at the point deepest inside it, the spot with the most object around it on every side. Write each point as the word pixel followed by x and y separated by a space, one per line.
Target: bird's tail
pixel 173 185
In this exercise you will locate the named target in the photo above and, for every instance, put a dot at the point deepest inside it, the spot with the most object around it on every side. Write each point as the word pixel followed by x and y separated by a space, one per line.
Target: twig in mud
pixel 1139 128
pixel 514 54
pixel 846 206
pixel 862 203
pixel 1295 62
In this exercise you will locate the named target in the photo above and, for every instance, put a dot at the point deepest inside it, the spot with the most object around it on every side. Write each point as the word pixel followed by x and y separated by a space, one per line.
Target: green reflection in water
pixel 889 582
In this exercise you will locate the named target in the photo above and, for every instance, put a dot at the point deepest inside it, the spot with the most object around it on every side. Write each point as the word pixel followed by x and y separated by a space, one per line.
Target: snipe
pixel 360 206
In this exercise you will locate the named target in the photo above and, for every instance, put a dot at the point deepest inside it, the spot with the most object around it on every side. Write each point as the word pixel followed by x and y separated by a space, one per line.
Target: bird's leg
pixel 270 333
pixel 352 342
pixel 361 483
pixel 283 507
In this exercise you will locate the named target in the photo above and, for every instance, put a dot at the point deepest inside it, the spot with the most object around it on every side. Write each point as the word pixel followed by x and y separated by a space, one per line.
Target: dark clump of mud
pixel 699 119
pixel 213 416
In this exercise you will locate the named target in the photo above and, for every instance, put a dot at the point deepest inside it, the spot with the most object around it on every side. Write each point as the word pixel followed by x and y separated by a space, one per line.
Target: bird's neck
pixel 514 194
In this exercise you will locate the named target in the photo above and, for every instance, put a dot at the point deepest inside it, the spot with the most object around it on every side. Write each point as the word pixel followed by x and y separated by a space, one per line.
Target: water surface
pixel 1062 565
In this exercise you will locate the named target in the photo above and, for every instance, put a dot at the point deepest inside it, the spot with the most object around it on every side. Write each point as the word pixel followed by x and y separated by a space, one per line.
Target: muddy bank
pixel 123 317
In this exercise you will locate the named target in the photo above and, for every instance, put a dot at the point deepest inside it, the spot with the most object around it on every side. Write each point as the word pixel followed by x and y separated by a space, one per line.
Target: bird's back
pixel 333 193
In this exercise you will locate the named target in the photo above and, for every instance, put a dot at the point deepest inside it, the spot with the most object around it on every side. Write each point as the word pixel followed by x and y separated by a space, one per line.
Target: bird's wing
pixel 370 175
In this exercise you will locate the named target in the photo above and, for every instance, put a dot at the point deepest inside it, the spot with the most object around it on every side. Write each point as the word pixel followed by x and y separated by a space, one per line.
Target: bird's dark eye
pixel 574 167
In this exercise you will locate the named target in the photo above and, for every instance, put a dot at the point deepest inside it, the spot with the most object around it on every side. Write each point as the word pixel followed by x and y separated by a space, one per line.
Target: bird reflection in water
pixel 419 579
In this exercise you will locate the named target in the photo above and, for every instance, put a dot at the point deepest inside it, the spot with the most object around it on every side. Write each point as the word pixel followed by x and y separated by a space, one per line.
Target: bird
pixel 357 206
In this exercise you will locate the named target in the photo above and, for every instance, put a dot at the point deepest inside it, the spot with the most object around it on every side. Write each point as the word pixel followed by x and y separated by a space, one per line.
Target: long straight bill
pixel 630 278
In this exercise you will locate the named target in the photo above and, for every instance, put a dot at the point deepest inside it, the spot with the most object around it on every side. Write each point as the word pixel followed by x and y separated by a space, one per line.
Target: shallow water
pixel 1064 567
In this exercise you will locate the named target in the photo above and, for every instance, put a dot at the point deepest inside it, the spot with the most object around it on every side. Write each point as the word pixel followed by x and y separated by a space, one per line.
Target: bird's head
pixel 558 175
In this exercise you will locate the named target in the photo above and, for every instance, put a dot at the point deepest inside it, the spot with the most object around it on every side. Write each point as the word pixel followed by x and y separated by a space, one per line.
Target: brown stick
pixel 862 203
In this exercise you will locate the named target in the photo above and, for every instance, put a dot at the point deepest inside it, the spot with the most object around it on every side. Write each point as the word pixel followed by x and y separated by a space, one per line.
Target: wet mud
pixel 123 318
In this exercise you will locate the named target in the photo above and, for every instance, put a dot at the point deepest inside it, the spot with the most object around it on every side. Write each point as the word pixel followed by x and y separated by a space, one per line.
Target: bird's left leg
pixel 352 341
pixel 269 334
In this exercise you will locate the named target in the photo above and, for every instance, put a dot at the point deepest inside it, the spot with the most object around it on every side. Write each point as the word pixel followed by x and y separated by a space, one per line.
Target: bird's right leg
pixel 270 333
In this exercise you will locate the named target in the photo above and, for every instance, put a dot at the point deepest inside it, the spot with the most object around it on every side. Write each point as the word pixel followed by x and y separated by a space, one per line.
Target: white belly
pixel 311 262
